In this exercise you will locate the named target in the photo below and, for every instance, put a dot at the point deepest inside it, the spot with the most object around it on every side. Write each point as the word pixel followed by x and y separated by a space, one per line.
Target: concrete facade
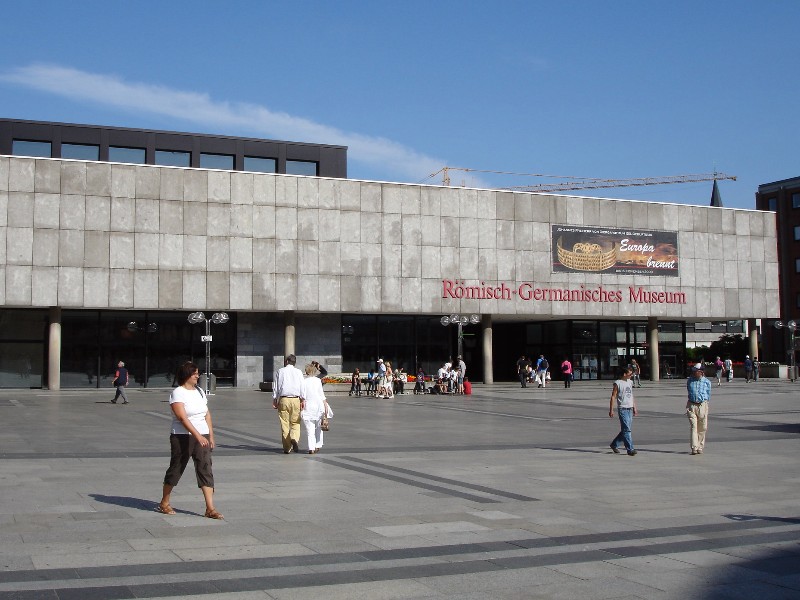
pixel 77 234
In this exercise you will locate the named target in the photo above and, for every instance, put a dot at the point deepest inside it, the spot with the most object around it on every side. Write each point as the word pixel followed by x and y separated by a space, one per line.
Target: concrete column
pixel 54 350
pixel 652 349
pixel 752 337
pixel 488 359
pixel 288 334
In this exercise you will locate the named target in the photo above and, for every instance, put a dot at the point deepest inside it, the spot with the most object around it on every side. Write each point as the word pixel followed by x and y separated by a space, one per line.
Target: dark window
pixel 173 158
pixel 216 161
pixel 27 148
pixel 22 352
pixel 735 326
pixel 152 345
pixel 772 204
pixel 80 151
pixel 796 233
pixel 798 300
pixel 119 154
pixel 260 165
pixel 797 265
pixel 301 167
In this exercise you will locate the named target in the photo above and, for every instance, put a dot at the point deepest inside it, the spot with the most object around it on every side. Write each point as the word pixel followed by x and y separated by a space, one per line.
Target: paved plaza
pixel 505 494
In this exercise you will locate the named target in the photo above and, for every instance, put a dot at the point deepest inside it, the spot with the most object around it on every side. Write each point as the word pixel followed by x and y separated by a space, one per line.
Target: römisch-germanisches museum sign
pixel 614 250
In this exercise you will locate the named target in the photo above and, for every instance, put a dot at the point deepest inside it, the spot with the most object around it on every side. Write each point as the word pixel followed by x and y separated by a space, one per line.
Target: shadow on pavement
pixel 137 503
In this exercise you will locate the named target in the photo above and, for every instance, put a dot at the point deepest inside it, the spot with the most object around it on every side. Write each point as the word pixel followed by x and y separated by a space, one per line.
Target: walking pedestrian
pixel 636 373
pixel 748 369
pixel 120 382
pixel 191 436
pixel 566 369
pixel 315 405
pixel 699 393
pixel 622 395
pixel 287 399
pixel 719 366
pixel 522 370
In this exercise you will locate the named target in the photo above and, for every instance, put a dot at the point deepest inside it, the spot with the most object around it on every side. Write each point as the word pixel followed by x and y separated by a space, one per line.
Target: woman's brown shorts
pixel 183 447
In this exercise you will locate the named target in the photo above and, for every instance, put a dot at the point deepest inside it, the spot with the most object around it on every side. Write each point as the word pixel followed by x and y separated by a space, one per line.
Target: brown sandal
pixel 165 510
pixel 213 514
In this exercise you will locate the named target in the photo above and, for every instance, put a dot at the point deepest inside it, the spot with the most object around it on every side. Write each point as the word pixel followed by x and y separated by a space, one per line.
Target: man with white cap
pixel 699 391
pixel 748 369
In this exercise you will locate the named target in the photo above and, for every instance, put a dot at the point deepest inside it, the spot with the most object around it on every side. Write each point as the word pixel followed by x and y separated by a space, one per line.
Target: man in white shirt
pixel 287 398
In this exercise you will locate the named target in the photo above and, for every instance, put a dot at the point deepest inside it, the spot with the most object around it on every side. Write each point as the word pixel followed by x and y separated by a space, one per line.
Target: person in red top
pixel 566 369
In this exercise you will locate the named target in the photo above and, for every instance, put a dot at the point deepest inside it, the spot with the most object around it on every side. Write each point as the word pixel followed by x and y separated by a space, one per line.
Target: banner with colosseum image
pixel 613 250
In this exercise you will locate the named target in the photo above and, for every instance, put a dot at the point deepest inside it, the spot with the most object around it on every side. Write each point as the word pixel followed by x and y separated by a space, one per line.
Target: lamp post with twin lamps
pixel 791 326
pixel 460 320
pixel 218 319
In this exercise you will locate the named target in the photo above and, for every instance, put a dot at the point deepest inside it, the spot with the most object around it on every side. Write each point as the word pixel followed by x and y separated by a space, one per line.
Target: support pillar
pixel 752 337
pixel 488 359
pixel 288 333
pixel 652 349
pixel 54 350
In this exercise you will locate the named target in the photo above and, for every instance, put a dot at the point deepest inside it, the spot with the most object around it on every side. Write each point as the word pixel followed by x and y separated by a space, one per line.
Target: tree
pixel 729 345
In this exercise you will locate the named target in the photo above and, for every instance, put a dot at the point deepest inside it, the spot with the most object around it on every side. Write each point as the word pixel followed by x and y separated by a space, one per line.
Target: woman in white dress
pixel 316 405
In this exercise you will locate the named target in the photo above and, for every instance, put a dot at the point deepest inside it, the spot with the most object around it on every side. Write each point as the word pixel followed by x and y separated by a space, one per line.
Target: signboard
pixel 581 249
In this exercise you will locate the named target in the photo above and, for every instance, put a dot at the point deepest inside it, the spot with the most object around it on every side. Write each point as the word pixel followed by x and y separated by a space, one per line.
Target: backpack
pixel 544 365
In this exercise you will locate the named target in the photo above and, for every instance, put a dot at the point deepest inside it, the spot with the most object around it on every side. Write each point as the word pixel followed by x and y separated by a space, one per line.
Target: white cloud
pixel 387 155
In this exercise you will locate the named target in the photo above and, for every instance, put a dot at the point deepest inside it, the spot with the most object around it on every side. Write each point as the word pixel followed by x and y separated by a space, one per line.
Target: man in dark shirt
pixel 120 381
pixel 522 370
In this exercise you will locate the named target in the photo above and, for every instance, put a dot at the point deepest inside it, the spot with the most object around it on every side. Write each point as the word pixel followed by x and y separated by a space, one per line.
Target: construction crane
pixel 585 183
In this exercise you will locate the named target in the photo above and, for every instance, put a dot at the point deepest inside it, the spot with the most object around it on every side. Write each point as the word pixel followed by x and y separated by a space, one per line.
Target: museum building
pixel 103 257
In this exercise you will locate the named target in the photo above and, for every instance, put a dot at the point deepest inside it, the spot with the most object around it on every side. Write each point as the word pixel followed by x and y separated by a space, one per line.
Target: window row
pixel 167 158
pixel 772 203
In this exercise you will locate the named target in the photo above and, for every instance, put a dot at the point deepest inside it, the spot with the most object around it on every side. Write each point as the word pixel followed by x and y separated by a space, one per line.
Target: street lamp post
pixel 460 320
pixel 218 319
pixel 791 326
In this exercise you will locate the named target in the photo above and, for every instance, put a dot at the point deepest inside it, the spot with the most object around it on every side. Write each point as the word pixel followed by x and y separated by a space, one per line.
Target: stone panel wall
pixel 100 235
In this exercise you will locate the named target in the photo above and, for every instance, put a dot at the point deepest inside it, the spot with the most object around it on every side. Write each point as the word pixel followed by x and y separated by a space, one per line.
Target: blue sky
pixel 579 88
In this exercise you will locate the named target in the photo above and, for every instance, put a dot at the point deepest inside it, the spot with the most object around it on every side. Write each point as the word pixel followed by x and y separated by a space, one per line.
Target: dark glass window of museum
pixel 172 158
pixel 797 265
pixel 22 348
pixel 30 148
pixel 260 165
pixel 797 233
pixel 405 341
pixel 151 344
pixel 80 151
pixel 301 167
pixel 795 200
pixel 772 204
pixel 120 154
pixel 216 161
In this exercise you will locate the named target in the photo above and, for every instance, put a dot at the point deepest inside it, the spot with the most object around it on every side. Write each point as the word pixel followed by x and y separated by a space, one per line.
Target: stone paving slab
pixel 507 493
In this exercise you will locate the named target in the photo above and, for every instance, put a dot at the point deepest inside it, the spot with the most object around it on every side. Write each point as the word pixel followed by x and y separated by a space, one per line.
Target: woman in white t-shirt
pixel 316 405
pixel 191 436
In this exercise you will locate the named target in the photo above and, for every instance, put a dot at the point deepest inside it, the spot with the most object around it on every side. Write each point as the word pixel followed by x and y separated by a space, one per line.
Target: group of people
pixel 725 367
pixel 451 377
pixel 382 381
pixel 698 389
pixel 538 372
